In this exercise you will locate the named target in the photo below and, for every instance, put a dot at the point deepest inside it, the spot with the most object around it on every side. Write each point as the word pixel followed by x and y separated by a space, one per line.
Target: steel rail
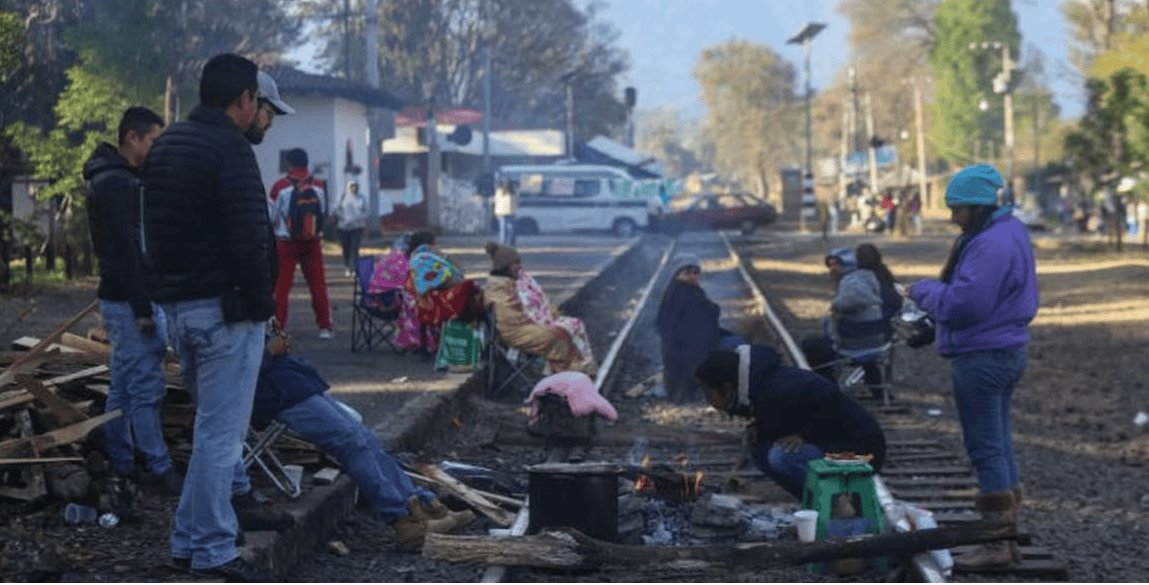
pixel 924 563
pixel 496 573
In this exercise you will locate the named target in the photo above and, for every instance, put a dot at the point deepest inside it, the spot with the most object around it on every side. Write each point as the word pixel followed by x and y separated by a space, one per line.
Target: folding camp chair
pixel 854 359
pixel 257 449
pixel 373 316
pixel 505 364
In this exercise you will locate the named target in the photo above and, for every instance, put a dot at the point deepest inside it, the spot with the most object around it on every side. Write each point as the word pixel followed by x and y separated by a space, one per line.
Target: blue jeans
pixel 507 230
pixel 787 469
pixel 983 383
pixel 137 390
pixel 321 420
pixel 220 363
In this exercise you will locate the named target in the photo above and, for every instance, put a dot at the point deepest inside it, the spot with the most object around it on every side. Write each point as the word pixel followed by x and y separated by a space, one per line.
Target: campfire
pixel 673 482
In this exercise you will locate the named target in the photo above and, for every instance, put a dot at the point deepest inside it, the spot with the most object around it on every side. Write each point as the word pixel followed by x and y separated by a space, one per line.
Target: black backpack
pixel 304 211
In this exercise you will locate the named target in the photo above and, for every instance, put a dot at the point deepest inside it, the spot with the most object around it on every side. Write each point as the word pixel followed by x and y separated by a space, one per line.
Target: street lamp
pixel 1001 84
pixel 803 37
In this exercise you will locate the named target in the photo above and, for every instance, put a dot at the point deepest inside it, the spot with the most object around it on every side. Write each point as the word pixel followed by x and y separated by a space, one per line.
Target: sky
pixel 665 37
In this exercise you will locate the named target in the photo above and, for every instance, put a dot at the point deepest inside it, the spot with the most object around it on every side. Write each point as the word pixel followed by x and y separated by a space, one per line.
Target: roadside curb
pixel 321 509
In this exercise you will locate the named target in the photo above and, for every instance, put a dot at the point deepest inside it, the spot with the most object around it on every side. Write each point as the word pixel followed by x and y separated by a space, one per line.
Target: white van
pixel 557 198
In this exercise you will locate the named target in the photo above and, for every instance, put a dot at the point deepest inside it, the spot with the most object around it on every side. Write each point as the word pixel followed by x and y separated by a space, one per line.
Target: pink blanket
pixel 578 389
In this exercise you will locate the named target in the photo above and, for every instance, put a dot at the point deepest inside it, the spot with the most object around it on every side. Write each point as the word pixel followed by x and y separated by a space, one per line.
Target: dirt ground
pixel 1083 458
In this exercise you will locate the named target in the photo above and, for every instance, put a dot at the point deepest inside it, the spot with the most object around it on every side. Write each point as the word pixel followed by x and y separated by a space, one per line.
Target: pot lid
pixel 590 468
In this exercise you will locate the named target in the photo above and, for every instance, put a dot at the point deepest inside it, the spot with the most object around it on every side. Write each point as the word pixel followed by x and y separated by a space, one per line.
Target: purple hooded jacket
pixel 992 296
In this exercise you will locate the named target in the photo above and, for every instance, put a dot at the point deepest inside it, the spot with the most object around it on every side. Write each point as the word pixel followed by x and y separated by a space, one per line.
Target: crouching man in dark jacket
pixel 798 415
pixel 206 232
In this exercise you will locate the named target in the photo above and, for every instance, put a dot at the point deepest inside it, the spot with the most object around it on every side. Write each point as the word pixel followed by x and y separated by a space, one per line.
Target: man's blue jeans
pixel 137 390
pixel 983 383
pixel 321 420
pixel 220 364
pixel 507 230
pixel 787 469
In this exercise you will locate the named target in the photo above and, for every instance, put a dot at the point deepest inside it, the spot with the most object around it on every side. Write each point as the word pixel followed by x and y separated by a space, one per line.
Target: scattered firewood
pixel 460 490
pixel 489 495
pixel 61 436
pixel 640 388
pixel 63 410
pixel 570 549
pixel 22 365
pixel 31 476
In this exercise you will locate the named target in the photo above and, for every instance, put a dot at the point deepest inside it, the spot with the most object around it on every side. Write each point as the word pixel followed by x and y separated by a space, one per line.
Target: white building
pixel 330 123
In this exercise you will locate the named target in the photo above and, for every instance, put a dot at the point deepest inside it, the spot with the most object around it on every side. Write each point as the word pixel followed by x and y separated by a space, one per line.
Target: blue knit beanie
pixel 974 185
pixel 845 256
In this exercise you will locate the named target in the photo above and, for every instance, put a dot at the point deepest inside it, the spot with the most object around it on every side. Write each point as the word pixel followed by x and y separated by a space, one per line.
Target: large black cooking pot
pixel 583 496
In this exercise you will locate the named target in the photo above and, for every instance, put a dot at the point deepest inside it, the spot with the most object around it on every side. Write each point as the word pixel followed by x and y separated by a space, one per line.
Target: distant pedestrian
pixel 982 304
pixel 297 211
pixel 136 327
pixel 1143 219
pixel 916 212
pixel 506 205
pixel 211 266
pixel 350 218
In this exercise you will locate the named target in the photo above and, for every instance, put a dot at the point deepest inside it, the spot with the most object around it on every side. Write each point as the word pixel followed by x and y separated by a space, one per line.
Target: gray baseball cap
pixel 270 92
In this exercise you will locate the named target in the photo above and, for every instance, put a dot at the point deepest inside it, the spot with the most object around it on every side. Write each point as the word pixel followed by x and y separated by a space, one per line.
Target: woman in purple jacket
pixel 983 303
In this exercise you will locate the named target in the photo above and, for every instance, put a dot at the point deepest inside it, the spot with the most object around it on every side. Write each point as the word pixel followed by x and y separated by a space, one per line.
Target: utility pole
pixel 873 151
pixel 433 168
pixel 855 144
pixel 570 119
pixel 1007 92
pixel 487 106
pixel 804 38
pixel 373 126
pixel 347 39
pixel 920 131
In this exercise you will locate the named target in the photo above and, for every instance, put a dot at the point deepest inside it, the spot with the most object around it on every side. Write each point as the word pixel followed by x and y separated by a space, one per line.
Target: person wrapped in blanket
pixel 798 415
pixel 526 319
pixel 434 291
pixel 687 323
pixel 291 391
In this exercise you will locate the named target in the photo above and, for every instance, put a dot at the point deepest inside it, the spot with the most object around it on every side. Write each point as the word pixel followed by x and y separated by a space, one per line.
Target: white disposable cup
pixel 294 473
pixel 807 523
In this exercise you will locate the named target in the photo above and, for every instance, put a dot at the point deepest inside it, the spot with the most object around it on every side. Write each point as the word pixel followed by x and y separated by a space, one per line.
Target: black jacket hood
pixel 106 157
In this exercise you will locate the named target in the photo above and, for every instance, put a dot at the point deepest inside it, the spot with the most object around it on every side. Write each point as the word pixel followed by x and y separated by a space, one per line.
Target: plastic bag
pixel 459 347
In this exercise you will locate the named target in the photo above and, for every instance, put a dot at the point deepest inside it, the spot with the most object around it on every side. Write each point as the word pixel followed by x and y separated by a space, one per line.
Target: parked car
pixel 741 211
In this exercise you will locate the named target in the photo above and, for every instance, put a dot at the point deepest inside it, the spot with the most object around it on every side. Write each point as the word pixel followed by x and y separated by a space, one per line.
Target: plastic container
pixel 76 514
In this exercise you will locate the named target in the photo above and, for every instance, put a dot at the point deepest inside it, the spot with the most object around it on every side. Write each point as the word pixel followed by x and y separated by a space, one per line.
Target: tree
pixel 1114 133
pixel 753 116
pixel 663 136
pixel 430 51
pixel 964 76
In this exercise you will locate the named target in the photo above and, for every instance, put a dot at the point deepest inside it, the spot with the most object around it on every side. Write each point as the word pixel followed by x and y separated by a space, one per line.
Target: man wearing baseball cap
pixel 983 303
pixel 270 104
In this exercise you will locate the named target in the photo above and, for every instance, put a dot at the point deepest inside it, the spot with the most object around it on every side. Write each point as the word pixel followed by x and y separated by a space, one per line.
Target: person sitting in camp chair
pixel 798 415
pixel 291 391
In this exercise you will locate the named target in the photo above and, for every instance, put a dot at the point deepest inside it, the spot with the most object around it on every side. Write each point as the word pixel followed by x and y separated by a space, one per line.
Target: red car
pixel 741 211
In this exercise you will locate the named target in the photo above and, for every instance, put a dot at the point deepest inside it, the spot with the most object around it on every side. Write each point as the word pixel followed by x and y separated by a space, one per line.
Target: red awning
pixel 416 117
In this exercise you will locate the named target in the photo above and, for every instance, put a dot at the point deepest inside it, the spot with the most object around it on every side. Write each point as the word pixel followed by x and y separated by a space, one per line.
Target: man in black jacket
pixel 136 328
pixel 798 415
pixel 210 268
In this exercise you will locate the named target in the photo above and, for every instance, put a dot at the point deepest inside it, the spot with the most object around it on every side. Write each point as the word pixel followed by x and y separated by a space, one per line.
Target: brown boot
pixel 450 522
pixel 411 530
pixel 995 506
pixel 435 509
pixel 1017 492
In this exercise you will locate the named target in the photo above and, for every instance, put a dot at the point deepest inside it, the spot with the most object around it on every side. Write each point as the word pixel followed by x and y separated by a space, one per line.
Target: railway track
pixel 922 468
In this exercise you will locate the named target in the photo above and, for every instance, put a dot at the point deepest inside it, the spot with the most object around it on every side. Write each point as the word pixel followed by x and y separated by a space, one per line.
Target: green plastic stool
pixel 824 480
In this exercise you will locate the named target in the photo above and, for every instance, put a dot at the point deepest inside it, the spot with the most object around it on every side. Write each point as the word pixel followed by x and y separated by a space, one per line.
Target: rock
pixel 337 548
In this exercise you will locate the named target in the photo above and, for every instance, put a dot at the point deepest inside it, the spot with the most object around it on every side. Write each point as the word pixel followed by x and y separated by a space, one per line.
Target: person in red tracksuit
pixel 306 252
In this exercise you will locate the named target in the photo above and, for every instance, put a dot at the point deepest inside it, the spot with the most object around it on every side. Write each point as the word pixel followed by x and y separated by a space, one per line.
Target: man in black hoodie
pixel 210 268
pixel 135 326
pixel 798 415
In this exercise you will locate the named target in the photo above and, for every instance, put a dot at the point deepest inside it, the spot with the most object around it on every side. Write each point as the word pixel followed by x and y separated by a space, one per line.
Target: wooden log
pixel 37 460
pixel 463 492
pixel 22 365
pixel 32 476
pixel 489 495
pixel 63 410
pixel 62 436
pixel 570 549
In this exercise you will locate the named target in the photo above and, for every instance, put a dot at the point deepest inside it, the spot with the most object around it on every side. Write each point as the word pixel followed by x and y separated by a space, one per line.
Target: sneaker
pixel 326 334
pixel 255 517
pixel 236 570
pixel 347 272
pixel 451 522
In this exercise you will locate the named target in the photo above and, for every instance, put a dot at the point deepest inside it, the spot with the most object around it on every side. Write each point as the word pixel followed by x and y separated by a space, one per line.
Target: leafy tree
pixel 963 76
pixel 663 136
pixel 753 117
pixel 1114 133
pixel 431 51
